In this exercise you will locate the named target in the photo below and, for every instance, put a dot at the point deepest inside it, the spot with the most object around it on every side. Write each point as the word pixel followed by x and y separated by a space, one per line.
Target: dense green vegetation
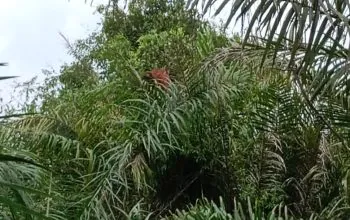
pixel 239 134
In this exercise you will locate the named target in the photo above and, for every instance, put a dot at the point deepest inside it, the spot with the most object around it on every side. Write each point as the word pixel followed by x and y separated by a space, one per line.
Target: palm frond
pixel 310 35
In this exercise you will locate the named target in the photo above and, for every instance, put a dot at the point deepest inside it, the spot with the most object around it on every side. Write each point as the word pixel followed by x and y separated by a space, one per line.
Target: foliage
pixel 231 138
pixel 310 37
pixel 301 42
pixel 144 16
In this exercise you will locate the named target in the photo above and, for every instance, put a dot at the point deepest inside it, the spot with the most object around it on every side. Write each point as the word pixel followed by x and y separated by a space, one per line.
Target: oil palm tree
pixel 275 148
pixel 306 39
pixel 311 36
pixel 117 146
pixel 307 32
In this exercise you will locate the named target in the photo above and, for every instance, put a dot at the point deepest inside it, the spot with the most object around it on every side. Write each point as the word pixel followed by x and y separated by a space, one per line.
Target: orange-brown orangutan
pixel 160 76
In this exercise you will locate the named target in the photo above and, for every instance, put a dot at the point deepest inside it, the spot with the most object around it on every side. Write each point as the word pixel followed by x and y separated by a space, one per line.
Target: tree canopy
pixel 162 115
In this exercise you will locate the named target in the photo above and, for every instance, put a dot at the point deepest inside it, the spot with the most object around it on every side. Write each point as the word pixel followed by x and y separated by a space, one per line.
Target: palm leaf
pixel 10 158
pixel 308 33
pixel 22 208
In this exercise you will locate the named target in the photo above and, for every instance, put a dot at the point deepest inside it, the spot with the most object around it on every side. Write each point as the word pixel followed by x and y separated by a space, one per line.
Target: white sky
pixel 29 35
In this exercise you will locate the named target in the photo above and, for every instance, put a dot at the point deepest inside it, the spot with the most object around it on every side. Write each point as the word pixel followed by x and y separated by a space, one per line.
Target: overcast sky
pixel 29 36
